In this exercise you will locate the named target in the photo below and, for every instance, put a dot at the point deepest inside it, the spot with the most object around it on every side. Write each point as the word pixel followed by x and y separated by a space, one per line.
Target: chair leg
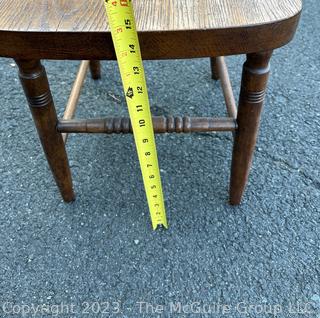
pixel 95 69
pixel 214 69
pixel 253 87
pixel 36 87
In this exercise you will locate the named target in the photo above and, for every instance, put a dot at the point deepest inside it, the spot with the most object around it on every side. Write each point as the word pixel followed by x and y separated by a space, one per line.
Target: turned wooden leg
pixel 95 69
pixel 253 88
pixel 214 69
pixel 36 87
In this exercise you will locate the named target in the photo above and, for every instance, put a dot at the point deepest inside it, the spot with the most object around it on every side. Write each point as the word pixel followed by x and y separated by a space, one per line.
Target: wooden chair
pixel 32 30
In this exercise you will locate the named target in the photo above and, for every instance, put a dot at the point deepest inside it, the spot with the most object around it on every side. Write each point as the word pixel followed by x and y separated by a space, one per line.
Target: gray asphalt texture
pixel 101 248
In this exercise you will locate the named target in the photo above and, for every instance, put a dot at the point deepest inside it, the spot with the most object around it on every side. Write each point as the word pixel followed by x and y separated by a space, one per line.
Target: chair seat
pixel 151 15
pixel 77 29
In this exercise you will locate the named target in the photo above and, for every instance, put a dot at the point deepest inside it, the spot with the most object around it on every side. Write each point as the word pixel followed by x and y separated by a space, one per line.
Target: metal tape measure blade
pixel 126 43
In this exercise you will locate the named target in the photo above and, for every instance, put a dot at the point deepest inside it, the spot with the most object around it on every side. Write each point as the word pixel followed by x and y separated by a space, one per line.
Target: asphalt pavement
pixel 100 253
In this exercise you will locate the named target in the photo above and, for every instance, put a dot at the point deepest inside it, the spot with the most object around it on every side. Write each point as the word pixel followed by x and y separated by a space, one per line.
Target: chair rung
pixel 226 86
pixel 72 103
pixel 161 124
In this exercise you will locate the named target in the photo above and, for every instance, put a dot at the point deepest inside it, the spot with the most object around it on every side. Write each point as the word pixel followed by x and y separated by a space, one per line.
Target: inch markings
pixel 126 43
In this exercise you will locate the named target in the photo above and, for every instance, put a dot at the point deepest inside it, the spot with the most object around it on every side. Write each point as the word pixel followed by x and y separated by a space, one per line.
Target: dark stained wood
pixel 161 125
pixel 154 44
pixel 95 69
pixel 253 89
pixel 214 69
pixel 77 29
pixel 151 15
pixel 36 87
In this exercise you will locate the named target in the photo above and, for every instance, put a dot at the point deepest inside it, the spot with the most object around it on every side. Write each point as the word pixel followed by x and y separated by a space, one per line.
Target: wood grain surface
pixel 152 15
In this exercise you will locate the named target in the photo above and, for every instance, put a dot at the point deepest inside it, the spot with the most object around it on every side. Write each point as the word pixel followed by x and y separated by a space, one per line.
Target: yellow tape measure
pixel 126 43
